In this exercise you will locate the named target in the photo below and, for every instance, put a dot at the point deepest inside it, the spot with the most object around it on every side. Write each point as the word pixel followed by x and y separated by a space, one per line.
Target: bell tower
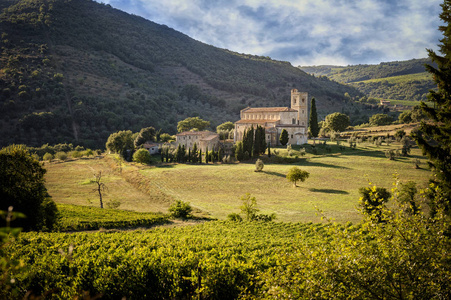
pixel 299 102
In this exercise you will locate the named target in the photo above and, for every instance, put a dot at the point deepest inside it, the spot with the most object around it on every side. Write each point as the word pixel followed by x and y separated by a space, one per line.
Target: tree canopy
pixel 295 174
pixel 145 135
pixel 337 121
pixel 192 123
pixel 225 126
pixel 23 187
pixel 120 142
pixel 434 136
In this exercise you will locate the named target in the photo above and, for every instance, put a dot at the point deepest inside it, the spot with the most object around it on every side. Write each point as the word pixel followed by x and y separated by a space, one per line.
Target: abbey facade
pixel 294 119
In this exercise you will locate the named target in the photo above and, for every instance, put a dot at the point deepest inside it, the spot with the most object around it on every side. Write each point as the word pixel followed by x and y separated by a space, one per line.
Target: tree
pixel 283 139
pixel 380 120
pixel 227 126
pixel 249 207
pixel 248 142
pixel 23 187
pixel 195 123
pixel 295 174
pixel 405 117
pixel 336 122
pixel 434 137
pixel 239 151
pixel 142 156
pixel 121 142
pixel 194 154
pixel 269 149
pixel 313 121
pixel 372 201
pixel 144 135
pixel 101 187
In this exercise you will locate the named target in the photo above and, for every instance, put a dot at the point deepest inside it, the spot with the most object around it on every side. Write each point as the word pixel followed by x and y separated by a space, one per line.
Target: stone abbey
pixel 293 119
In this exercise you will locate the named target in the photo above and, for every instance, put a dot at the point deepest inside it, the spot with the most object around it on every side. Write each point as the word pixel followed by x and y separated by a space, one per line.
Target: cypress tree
pixel 206 155
pixel 200 155
pixel 256 144
pixel 313 121
pixel 283 137
pixel 434 137
pixel 239 151
pixel 269 149
pixel 194 154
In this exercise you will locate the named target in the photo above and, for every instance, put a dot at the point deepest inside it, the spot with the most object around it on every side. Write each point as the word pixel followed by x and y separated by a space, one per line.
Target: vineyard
pixel 75 217
pixel 217 260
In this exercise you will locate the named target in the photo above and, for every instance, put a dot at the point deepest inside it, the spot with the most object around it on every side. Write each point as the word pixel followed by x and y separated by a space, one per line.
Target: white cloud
pixel 303 31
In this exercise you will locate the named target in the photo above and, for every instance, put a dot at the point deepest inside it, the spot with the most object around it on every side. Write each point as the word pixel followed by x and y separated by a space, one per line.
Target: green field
pixel 214 190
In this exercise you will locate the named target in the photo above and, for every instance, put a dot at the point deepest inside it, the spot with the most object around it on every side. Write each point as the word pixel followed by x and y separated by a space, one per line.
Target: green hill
pixel 398 80
pixel 76 70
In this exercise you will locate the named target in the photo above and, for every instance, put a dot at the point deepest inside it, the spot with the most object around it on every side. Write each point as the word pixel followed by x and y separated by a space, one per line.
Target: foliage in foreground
pixel 217 260
pixel 22 187
pixel 404 257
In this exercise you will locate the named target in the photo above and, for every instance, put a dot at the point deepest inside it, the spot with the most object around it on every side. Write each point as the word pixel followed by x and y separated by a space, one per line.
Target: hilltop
pixel 76 71
pixel 398 80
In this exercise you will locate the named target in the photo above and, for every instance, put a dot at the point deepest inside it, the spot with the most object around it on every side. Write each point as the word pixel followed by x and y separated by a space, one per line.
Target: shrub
pixel 234 217
pixel 48 157
pixel 180 209
pixel 142 156
pixel 61 155
pixel 259 165
pixel 113 204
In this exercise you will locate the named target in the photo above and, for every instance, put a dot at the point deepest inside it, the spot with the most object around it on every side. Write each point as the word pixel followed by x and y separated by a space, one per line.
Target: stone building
pixel 294 119
pixel 203 139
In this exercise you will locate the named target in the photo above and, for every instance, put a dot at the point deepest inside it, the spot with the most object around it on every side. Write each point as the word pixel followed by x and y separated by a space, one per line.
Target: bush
pixel 259 165
pixel 61 155
pixel 180 209
pixel 142 156
pixel 234 217
pixel 48 157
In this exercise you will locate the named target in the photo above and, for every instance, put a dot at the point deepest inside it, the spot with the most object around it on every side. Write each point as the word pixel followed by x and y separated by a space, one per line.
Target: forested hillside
pixel 400 80
pixel 76 71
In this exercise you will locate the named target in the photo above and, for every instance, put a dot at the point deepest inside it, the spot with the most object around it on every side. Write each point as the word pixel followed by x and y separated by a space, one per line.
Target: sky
pixel 303 32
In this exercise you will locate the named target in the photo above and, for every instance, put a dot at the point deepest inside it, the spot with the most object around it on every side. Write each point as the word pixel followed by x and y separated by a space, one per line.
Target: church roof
pixel 268 109
pixel 244 121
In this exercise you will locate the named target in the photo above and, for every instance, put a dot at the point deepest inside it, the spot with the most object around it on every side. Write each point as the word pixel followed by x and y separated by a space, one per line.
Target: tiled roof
pixel 255 121
pixel 206 132
pixel 268 109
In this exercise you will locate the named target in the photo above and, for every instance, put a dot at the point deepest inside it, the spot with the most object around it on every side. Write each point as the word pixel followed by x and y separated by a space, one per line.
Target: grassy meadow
pixel 214 190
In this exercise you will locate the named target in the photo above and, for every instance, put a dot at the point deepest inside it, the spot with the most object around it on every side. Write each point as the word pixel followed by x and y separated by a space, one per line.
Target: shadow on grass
pixel 275 174
pixel 328 191
pixel 165 166
pixel 319 164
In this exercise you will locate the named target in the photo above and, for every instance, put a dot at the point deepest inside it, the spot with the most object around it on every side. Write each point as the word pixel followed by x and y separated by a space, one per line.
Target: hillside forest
pixel 76 71
pixel 396 80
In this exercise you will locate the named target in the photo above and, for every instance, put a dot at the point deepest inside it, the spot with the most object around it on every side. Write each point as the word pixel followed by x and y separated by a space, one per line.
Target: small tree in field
pixel 259 165
pixel 101 187
pixel 249 207
pixel 296 174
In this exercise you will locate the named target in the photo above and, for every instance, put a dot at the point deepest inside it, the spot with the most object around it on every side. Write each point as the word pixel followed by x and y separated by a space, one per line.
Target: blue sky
pixel 303 32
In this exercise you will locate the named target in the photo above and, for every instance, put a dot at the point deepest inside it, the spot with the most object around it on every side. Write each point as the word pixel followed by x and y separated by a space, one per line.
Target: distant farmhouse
pixel 203 139
pixel 275 119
